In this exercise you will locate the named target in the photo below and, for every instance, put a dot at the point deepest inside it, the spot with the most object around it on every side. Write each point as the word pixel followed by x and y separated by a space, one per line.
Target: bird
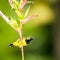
pixel 20 43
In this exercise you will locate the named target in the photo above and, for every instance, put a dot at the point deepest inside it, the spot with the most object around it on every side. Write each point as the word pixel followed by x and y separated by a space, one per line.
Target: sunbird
pixel 23 42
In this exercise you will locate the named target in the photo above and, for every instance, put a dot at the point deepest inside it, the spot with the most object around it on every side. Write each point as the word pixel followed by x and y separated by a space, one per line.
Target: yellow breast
pixel 20 43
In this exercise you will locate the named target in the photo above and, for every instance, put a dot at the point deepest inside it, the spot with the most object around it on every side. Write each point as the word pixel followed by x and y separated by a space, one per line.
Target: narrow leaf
pixel 26 13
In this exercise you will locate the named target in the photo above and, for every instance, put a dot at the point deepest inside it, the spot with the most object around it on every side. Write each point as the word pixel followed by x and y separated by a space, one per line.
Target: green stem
pixel 22 50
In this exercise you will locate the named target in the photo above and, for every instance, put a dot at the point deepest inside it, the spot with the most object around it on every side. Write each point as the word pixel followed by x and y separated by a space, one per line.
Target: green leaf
pixel 30 2
pixel 20 14
pixel 15 4
pixel 14 23
pixel 20 3
pixel 26 13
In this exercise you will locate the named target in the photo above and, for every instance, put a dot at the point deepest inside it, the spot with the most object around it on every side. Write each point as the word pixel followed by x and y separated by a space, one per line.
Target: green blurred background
pixel 41 27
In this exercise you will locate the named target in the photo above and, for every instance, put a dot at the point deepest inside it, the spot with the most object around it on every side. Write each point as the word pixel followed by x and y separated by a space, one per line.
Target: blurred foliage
pixel 41 28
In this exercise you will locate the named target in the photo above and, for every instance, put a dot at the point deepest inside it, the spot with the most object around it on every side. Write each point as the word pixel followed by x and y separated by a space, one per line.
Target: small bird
pixel 23 42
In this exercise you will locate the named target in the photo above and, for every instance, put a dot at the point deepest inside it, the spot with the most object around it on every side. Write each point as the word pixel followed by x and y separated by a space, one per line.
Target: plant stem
pixel 22 50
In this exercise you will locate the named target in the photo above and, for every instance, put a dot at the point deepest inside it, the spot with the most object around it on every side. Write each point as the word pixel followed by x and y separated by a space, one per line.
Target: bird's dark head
pixel 29 39
pixel 10 45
